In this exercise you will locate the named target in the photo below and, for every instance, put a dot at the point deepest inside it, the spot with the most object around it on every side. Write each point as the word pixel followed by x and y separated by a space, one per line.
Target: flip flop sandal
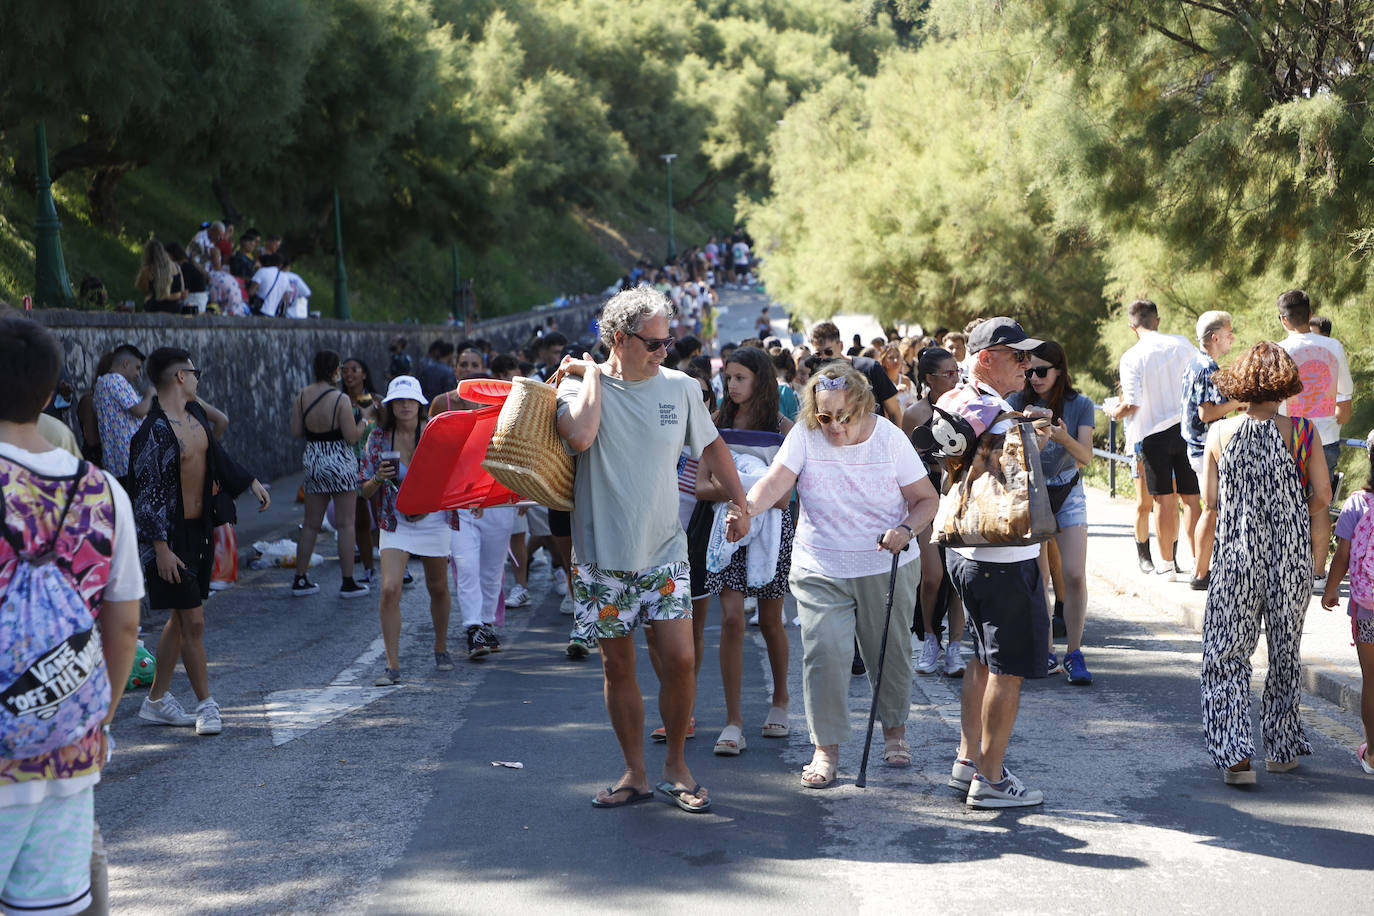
pixel 822 774
pixel 730 742
pixel 634 798
pixel 896 753
pixel 661 733
pixel 776 725
pixel 676 793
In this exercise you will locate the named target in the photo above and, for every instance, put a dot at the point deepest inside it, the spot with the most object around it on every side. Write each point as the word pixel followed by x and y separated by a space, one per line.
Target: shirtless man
pixel 175 463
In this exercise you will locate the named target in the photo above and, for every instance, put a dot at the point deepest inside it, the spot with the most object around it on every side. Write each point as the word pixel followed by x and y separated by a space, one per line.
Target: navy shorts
pixel 1007 614
pixel 560 523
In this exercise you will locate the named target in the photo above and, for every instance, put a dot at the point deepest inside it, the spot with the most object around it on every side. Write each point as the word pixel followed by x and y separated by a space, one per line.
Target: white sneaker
pixel 166 711
pixel 519 597
pixel 954 660
pixel 219 585
pixel 1009 793
pixel 208 720
pixel 930 656
pixel 560 583
pixel 754 621
pixel 961 774
pixel 566 607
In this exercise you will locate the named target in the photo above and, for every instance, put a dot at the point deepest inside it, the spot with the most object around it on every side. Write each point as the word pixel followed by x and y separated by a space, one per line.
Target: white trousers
pixel 479 562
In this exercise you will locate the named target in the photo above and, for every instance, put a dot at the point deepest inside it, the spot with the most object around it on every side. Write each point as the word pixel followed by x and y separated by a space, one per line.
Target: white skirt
pixel 428 537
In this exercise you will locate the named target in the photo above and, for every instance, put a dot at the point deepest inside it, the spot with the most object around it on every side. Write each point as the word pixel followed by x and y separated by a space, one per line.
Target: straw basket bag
pixel 526 454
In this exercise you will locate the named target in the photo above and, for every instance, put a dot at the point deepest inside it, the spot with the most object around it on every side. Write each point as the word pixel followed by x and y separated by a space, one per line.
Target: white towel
pixel 764 538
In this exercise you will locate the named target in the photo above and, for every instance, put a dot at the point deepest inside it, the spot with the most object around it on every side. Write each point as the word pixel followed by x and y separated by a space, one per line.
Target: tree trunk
pixel 707 185
pixel 228 211
pixel 101 193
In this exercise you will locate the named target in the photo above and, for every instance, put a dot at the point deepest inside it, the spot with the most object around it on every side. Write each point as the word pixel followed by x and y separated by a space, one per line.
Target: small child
pixel 1355 552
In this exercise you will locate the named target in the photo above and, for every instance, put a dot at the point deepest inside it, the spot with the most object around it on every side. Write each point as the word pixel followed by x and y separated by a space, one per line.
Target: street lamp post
pixel 341 308
pixel 668 159
pixel 51 286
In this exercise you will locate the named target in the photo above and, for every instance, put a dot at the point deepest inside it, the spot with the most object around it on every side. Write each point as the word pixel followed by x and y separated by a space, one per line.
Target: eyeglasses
pixel 652 343
pixel 1020 356
pixel 1038 371
pixel 195 372
pixel 952 373
pixel 825 419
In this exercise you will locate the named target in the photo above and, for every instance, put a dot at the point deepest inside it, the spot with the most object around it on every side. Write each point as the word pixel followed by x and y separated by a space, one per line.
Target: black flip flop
pixel 675 793
pixel 634 797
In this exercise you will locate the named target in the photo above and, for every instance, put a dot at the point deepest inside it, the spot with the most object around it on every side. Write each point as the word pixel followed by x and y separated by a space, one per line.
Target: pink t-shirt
pixel 849 495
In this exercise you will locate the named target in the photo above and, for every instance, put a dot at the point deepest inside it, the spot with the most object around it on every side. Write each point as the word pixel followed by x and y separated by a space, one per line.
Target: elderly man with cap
pixel 1000 587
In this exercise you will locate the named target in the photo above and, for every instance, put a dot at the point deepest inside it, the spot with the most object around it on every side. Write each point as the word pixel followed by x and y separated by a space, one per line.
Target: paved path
pixel 394 805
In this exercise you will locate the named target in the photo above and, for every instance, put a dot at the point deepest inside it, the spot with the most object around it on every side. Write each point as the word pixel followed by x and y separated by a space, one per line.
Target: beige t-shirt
pixel 625 497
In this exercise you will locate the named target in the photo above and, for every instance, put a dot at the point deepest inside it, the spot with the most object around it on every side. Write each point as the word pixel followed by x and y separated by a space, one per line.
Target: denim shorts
pixel 1075 508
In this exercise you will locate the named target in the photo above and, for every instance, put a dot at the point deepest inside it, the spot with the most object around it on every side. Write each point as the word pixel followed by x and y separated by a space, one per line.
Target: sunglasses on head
pixel 1038 371
pixel 652 343
pixel 825 419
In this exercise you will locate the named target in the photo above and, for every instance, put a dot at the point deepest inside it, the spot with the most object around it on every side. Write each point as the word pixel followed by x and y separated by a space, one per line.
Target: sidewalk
pixel 1330 668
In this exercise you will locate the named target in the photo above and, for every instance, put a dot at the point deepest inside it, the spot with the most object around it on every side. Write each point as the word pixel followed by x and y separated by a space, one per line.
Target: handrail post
pixel 1111 447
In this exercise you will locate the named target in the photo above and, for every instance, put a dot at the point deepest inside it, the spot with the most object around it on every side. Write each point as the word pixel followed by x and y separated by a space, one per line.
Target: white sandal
pixel 776 725
pixel 730 742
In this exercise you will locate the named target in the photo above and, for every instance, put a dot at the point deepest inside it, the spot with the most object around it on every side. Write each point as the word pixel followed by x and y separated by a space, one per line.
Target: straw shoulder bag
pixel 526 454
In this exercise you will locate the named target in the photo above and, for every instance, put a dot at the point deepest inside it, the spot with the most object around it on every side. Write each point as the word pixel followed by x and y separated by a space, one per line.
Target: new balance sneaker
pixel 566 606
pixel 442 661
pixel 208 721
pixel 519 597
pixel 961 774
pixel 1077 668
pixel 301 586
pixel 1009 793
pixel 1054 666
pixel 477 643
pixel 954 661
pixel 930 656
pixel 493 641
pixel 389 677
pixel 578 648
pixel 166 711
pixel 351 589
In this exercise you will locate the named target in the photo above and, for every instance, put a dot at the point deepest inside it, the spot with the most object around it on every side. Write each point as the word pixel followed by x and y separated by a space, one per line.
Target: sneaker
pixel 219 585
pixel 578 648
pixel 1009 793
pixel 443 661
pixel 519 597
pixel 566 607
pixel 560 583
pixel 954 661
pixel 493 641
pixel 1201 584
pixel 961 774
pixel 1054 667
pixel 351 589
pixel 1077 668
pixel 208 721
pixel 301 586
pixel 408 581
pixel 364 577
pixel 930 656
pixel 166 711
pixel 390 677
pixel 477 643
pixel 754 621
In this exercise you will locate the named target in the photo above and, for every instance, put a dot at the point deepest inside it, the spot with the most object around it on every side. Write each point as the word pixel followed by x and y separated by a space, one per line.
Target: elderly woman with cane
pixel 859 481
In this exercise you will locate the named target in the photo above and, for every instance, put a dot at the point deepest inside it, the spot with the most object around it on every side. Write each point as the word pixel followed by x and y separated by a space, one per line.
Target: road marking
pixel 292 713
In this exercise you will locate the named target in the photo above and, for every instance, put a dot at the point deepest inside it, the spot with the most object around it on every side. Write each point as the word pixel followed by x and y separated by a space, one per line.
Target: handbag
pixel 1001 499
pixel 1059 492
pixel 526 454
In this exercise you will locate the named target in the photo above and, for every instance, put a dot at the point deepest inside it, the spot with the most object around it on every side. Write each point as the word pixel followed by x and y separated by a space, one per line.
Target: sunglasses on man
pixel 652 343
pixel 1020 356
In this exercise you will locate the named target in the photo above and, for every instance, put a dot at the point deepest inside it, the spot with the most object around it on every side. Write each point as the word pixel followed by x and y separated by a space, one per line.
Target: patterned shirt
pixel 378 441
pixel 1198 388
pixel 113 398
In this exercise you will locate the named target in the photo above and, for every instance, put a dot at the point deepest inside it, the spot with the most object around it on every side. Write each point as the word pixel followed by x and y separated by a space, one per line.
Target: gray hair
pixel 629 309
pixel 1208 323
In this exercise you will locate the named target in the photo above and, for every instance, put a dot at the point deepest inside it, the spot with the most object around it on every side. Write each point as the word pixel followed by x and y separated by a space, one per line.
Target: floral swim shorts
pixel 610 603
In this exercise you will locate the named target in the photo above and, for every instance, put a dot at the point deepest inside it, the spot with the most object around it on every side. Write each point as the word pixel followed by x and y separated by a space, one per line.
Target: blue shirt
pixel 1060 466
pixel 1198 388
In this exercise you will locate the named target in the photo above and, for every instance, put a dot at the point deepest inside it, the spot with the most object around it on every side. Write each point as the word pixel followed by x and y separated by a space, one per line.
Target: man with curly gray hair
pixel 627 421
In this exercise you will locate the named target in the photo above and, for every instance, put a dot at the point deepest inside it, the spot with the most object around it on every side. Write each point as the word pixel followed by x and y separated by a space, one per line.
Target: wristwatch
pixel 908 529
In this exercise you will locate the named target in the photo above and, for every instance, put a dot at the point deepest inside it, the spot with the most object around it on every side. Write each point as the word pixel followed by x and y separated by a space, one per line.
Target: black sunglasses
pixel 195 372
pixel 1038 371
pixel 652 343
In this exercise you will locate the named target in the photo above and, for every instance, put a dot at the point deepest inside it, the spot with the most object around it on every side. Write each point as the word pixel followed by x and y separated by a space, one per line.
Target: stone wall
pixel 254 367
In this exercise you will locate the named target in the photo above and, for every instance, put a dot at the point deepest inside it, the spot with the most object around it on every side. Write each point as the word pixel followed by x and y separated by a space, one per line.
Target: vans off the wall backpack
pixel 54 687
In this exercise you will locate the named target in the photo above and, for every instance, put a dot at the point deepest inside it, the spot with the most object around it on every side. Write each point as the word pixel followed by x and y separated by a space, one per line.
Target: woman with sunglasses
pixel 863 493
pixel 1048 384
pixel 936 372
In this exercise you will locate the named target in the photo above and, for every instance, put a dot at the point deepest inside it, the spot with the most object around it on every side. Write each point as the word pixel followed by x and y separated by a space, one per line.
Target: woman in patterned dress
pixel 1266 481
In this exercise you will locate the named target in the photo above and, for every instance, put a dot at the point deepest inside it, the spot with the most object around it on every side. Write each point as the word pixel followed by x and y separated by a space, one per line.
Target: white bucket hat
pixel 405 386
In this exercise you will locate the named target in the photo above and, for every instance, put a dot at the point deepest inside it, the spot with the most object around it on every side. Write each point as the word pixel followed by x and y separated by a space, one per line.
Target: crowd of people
pixel 812 470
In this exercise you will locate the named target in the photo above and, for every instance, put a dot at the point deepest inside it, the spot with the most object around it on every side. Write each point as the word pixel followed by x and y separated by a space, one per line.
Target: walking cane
pixel 862 781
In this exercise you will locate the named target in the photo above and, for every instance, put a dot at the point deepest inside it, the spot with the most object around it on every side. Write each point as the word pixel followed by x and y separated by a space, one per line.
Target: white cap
pixel 405 386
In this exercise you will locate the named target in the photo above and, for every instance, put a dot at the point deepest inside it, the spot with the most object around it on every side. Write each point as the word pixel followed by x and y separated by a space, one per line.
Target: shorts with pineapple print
pixel 610 603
